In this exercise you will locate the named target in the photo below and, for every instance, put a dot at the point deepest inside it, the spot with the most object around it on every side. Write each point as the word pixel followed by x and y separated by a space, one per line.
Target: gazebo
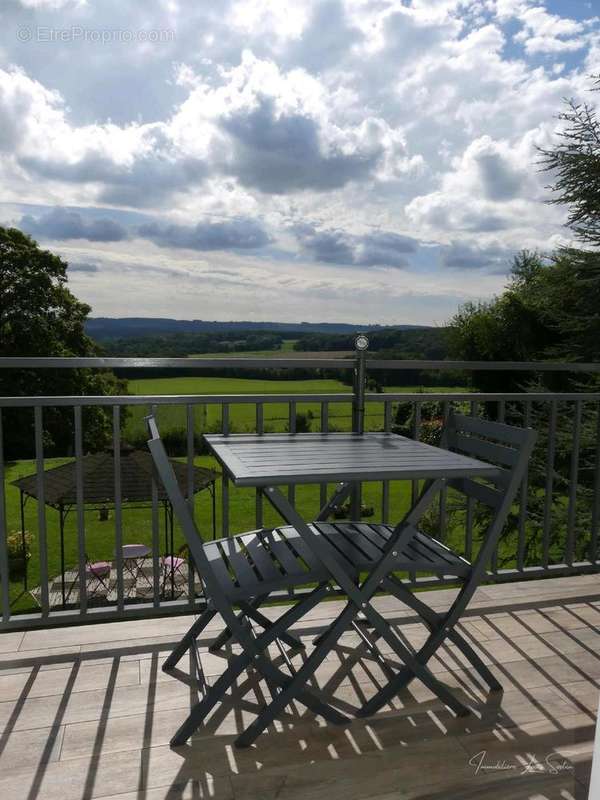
pixel 98 479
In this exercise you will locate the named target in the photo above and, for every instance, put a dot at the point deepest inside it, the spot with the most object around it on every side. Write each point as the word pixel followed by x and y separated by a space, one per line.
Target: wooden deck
pixel 86 712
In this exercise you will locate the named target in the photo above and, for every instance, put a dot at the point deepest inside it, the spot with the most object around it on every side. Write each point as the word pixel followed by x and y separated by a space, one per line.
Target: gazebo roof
pixel 137 469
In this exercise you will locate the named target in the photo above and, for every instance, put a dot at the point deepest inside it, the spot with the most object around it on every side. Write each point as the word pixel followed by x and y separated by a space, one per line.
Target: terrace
pixel 86 711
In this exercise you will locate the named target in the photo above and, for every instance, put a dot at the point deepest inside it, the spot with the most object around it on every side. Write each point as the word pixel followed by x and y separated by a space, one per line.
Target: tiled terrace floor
pixel 86 712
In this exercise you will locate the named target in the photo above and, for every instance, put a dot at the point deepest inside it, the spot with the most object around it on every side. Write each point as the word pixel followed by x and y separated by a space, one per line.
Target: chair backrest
pixel 506 447
pixel 192 536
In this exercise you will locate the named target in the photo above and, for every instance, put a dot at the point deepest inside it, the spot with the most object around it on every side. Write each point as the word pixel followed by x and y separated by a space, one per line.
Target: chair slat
pixel 488 451
pixel 353 533
pixel 438 549
pixel 421 553
pixel 478 491
pixel 345 546
pixel 496 430
pixel 239 563
pixel 263 562
pixel 305 553
pixel 219 567
pixel 282 553
pixel 369 532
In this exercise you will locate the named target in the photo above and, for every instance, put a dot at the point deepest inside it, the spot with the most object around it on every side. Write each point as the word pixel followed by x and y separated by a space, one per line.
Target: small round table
pixel 133 562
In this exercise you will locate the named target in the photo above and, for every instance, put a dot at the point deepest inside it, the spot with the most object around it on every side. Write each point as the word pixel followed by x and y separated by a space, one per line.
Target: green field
pixel 243 416
pixel 287 346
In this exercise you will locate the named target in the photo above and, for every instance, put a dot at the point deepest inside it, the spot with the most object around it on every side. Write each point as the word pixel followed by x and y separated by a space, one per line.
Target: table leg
pixel 360 596
pixel 337 498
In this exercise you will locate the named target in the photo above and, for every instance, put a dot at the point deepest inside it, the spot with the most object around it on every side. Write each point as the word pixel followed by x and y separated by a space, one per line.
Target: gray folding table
pixel 269 461
pixel 277 459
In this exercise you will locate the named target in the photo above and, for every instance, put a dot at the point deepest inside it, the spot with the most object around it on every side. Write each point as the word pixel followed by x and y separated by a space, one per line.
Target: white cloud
pixel 548 33
pixel 363 124
pixel 51 4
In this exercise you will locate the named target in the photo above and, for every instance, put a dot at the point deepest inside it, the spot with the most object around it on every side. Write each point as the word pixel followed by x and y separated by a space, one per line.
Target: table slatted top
pixel 282 458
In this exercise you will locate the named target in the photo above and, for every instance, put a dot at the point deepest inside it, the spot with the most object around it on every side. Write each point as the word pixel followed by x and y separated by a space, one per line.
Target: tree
pixel 575 162
pixel 39 316
pixel 550 311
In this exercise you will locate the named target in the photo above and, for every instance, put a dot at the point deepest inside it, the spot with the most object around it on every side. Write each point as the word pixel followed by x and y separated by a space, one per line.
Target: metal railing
pixel 553 530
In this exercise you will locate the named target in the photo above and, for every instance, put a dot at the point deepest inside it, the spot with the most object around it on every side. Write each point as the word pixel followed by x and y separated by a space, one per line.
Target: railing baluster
pixel 523 499
pixel 80 509
pixel 4 571
pixel 385 488
pixel 596 493
pixel 469 511
pixel 156 572
pixel 260 429
pixel 501 410
pixel 444 490
pixel 225 478
pixel 324 429
pixel 549 489
pixel 118 507
pixel 416 432
pixel 292 429
pixel 191 485
pixel 41 509
pixel 573 474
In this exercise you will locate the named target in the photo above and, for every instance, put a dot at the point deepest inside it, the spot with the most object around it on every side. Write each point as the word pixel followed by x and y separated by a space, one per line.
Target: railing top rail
pixel 33 362
pixel 172 399
pixel 222 399
pixel 478 366
pixel 482 396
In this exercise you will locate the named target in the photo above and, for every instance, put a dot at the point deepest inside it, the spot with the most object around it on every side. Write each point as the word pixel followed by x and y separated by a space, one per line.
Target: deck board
pixel 87 712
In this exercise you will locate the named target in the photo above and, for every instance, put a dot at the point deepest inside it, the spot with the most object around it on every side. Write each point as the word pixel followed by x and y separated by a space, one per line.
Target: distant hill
pixel 133 327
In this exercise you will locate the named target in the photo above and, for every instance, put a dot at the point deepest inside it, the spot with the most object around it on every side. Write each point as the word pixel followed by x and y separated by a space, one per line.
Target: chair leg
pixel 306 671
pixel 180 649
pixel 432 620
pixel 254 653
pixel 289 638
pixel 226 634
pixel 251 610
pixel 415 666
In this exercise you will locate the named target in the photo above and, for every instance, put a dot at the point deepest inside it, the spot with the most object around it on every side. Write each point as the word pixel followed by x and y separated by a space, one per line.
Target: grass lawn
pixel 100 536
pixel 242 416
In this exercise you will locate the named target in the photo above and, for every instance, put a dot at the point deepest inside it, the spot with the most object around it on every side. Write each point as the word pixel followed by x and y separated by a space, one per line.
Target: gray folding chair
pixel 244 570
pixel 229 579
pixel 509 448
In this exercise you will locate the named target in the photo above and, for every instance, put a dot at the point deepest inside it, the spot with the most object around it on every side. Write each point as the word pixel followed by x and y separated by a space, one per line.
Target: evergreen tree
pixel 575 162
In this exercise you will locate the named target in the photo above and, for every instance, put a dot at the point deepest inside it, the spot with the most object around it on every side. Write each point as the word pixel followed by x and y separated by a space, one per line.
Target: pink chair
pixel 97 574
pixel 172 571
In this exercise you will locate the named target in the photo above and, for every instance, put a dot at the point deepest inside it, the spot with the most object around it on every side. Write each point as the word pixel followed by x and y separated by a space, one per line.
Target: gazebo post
pixel 23 543
pixel 166 506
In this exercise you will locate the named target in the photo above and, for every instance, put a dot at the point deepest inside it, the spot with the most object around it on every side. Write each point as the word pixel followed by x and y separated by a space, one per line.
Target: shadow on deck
pixel 87 712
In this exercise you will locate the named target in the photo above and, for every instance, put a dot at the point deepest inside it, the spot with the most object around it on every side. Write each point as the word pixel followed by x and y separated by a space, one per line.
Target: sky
pixel 365 161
